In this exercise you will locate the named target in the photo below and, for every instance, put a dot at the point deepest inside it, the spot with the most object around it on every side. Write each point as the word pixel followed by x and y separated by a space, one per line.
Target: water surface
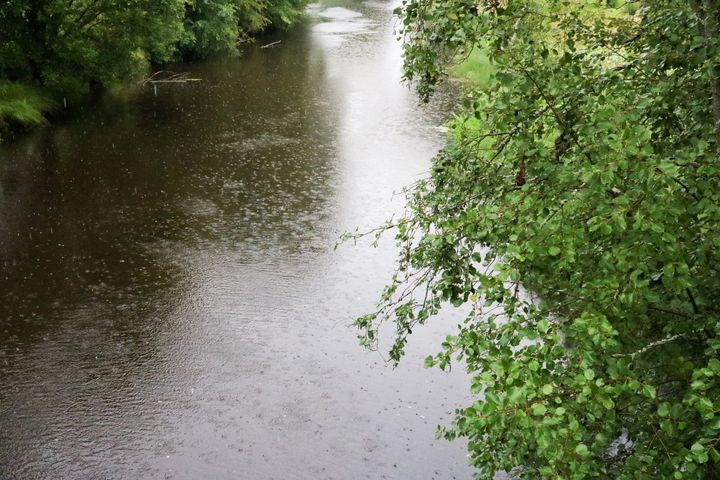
pixel 172 305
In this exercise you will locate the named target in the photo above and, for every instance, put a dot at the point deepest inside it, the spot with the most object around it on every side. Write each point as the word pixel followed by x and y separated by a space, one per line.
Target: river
pixel 172 304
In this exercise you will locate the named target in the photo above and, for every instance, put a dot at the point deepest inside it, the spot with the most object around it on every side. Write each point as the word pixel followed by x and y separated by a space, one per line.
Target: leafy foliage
pixel 66 48
pixel 218 26
pixel 575 214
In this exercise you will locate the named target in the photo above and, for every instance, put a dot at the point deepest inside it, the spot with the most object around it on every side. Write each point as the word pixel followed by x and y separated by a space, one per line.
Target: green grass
pixel 23 105
pixel 475 70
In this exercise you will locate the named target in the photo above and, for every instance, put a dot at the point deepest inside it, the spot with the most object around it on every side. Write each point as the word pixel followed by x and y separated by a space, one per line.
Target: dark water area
pixel 172 304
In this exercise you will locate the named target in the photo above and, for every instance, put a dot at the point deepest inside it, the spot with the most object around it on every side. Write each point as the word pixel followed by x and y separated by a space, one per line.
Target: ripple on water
pixel 339 21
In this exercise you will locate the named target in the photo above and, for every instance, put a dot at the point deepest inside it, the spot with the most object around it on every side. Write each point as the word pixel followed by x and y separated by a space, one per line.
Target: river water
pixel 172 305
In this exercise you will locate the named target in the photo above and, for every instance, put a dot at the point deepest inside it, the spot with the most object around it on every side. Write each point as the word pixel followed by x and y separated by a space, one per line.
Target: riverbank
pixel 64 53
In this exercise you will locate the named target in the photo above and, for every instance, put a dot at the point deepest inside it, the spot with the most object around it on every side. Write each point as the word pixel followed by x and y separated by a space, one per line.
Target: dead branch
pixel 166 76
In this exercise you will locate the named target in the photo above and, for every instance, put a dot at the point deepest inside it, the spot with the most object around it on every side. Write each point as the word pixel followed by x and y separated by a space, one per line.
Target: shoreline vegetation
pixel 62 51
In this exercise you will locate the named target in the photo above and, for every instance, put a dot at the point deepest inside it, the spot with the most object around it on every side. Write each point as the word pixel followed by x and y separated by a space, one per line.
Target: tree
pixel 575 214
pixel 67 46
pixel 218 26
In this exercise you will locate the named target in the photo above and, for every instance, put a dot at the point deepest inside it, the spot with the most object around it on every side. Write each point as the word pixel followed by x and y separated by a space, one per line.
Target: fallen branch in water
pixel 165 76
pixel 271 44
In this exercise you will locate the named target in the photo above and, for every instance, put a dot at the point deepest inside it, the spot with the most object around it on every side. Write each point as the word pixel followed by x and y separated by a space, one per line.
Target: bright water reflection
pixel 172 303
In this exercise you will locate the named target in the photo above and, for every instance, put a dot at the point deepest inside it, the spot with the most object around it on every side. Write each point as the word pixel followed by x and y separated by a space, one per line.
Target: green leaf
pixel 649 391
pixel 538 409
pixel 582 450
pixel 669 169
pixel 429 361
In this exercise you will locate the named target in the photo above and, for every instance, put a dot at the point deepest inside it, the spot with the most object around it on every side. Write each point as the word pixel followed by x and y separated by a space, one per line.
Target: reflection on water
pixel 172 306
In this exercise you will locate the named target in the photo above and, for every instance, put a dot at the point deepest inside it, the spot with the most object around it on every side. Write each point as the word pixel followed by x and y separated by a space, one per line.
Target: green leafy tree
pixel 575 214
pixel 67 46
pixel 219 26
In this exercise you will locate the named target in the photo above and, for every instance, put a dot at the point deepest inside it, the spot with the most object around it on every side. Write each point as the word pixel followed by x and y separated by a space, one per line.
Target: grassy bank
pixel 473 71
pixel 23 105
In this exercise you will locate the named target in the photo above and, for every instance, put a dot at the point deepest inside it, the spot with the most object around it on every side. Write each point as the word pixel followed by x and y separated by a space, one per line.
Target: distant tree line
pixel 52 50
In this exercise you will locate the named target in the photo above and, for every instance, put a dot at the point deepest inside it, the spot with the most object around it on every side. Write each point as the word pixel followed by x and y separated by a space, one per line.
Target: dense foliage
pixel 587 174
pixel 219 26
pixel 61 49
